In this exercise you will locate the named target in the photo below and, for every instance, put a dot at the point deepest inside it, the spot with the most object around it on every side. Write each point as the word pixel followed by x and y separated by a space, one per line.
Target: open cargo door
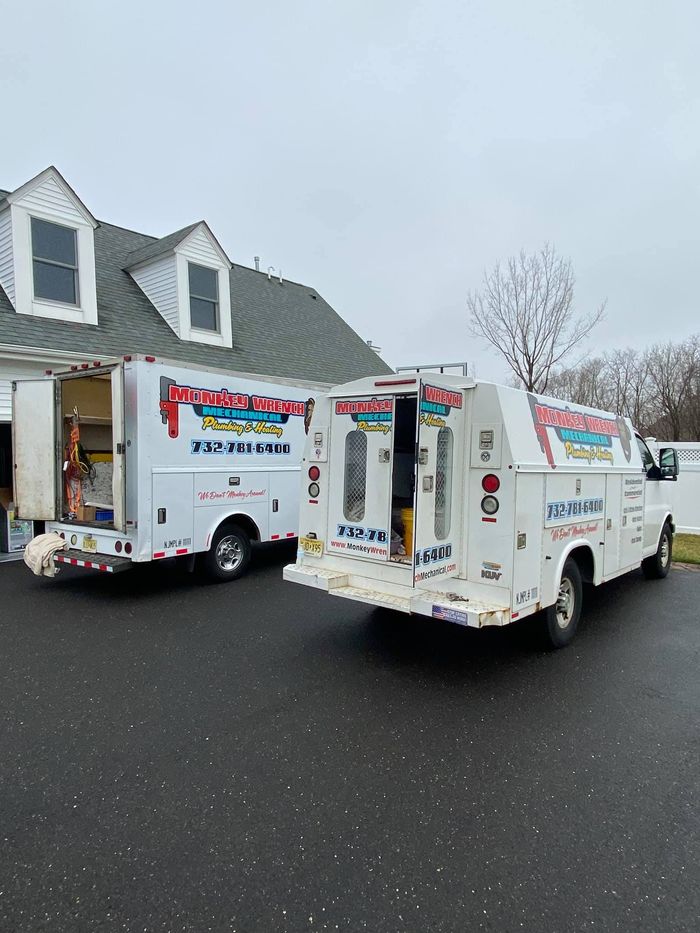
pixel 438 500
pixel 361 458
pixel 118 448
pixel 34 448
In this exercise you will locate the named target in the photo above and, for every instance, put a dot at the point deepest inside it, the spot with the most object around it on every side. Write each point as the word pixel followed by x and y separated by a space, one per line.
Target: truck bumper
pixel 446 606
pixel 107 563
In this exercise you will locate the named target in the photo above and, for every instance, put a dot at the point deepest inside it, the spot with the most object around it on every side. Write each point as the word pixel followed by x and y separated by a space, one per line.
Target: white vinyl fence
pixel 685 493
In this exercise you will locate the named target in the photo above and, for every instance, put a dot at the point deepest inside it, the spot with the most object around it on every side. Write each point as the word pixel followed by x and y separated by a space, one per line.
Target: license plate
pixel 89 543
pixel 311 546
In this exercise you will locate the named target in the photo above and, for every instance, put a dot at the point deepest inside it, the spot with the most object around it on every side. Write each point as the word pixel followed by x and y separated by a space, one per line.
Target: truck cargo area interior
pixel 403 478
pixel 85 404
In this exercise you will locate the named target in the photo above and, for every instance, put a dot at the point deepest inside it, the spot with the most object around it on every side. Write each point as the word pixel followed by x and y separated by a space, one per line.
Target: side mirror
pixel 668 463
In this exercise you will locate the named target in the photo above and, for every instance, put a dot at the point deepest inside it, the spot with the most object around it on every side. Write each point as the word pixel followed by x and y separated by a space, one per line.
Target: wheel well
pixel 244 523
pixel 583 556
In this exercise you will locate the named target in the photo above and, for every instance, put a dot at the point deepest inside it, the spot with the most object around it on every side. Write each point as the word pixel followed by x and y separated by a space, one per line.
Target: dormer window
pixel 47 257
pixel 204 297
pixel 55 262
pixel 186 276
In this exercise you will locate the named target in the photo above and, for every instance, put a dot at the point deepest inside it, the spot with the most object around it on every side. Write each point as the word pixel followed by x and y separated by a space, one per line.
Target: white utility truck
pixel 475 503
pixel 141 459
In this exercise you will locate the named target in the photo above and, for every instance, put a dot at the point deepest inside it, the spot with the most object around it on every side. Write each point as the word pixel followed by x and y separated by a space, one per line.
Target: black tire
pixel 229 555
pixel 561 619
pixel 658 565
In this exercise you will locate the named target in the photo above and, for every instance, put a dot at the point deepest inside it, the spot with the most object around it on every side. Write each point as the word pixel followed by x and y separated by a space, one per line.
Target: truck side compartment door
pixel 173 514
pixel 613 523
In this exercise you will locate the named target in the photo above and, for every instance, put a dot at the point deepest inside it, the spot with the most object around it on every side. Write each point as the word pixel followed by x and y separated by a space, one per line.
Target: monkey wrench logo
pixel 220 408
pixel 585 436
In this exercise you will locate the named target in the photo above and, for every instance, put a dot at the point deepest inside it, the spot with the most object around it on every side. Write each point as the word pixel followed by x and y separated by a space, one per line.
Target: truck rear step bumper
pixel 468 612
pixel 107 563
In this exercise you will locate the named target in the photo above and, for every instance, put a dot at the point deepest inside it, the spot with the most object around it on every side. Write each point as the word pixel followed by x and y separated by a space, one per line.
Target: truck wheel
pixel 229 555
pixel 658 565
pixel 561 619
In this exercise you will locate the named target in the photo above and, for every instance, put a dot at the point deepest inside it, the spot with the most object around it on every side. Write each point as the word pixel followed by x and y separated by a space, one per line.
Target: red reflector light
pixel 395 382
pixel 314 473
pixel 85 366
pixel 127 359
pixel 490 483
pixel 150 359
pixel 47 372
pixel 118 547
pixel 127 547
pixel 96 363
pixel 73 369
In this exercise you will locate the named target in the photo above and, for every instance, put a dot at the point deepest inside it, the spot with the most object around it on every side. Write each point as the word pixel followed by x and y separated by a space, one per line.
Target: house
pixel 74 288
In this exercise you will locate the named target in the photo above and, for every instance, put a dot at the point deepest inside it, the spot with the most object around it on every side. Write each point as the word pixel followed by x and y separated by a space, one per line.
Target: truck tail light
pixel 127 547
pixel 314 490
pixel 490 483
pixel 118 547
pixel 314 473
pixel 489 505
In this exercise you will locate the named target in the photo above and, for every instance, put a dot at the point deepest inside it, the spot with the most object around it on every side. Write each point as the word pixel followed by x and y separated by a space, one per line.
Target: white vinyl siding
pixel 51 200
pixel 158 282
pixel 9 372
pixel 198 248
pixel 7 264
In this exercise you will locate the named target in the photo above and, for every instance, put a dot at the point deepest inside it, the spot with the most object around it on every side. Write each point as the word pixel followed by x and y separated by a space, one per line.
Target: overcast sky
pixel 383 152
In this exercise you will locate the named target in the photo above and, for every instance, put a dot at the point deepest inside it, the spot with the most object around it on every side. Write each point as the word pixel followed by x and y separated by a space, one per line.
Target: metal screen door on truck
pixel 360 501
pixel 438 498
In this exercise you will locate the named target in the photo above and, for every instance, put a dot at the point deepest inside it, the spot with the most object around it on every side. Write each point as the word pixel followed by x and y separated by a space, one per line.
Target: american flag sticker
pixel 449 615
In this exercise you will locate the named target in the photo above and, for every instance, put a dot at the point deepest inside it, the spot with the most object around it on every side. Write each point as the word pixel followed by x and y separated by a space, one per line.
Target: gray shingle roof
pixel 278 329
pixel 165 244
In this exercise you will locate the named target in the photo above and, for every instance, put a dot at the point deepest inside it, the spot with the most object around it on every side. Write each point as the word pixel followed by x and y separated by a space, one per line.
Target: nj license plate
pixel 89 543
pixel 311 546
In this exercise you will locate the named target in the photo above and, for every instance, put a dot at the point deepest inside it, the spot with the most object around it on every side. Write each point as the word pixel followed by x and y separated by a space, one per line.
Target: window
pixel 204 297
pixel 443 484
pixel 55 261
pixel 355 476
pixel 647 459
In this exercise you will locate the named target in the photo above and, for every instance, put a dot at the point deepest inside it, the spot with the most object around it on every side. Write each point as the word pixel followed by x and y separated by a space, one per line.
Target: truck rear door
pixel 359 511
pixel 35 454
pixel 438 497
pixel 118 448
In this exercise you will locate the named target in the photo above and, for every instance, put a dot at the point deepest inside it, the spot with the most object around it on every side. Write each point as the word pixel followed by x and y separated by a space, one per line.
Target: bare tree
pixel 673 373
pixel 526 312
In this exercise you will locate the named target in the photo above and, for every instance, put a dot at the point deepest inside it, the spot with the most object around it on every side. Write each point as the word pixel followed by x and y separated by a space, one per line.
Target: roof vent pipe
pixel 280 276
pixel 256 260
pixel 270 270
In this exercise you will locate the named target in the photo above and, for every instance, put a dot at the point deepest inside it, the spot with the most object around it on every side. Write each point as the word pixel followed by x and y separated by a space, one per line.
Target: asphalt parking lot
pixel 261 757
